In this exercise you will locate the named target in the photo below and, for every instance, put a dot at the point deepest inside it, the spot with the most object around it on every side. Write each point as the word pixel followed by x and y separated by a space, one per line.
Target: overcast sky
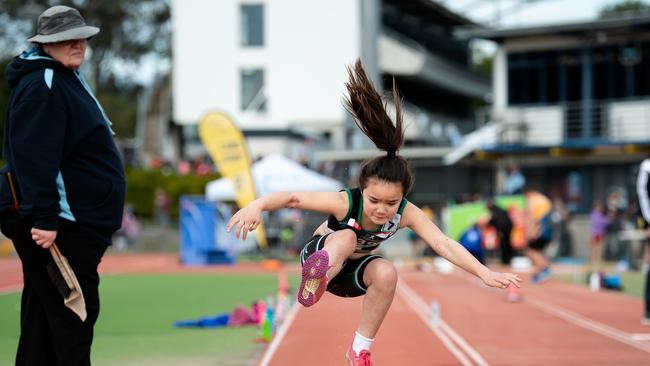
pixel 521 13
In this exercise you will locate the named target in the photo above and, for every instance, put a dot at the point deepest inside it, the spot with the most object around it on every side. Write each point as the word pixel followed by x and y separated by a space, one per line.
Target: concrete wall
pixel 307 45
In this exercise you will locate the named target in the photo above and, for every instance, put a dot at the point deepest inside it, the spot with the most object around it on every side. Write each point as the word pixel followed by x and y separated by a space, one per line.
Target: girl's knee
pixel 343 239
pixel 382 274
pixel 348 236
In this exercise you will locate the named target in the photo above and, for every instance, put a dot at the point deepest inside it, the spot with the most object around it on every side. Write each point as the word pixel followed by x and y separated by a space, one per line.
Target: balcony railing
pixel 574 124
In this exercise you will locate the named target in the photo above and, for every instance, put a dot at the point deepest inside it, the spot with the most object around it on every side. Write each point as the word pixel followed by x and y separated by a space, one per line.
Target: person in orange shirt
pixel 539 232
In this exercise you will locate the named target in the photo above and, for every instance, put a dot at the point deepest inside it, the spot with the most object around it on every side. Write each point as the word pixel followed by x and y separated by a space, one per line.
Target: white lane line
pixel 421 310
pixel 640 336
pixel 584 322
pixel 589 324
pixel 461 342
pixel 279 336
pixel 443 331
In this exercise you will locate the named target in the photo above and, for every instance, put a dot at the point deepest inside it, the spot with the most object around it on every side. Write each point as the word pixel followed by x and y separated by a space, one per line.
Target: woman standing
pixel 69 186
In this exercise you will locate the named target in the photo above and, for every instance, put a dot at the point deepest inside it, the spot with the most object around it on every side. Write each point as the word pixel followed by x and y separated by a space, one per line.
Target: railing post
pixel 587 94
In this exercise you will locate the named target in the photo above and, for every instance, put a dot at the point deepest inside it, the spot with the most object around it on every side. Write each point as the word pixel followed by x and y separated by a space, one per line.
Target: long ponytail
pixel 369 111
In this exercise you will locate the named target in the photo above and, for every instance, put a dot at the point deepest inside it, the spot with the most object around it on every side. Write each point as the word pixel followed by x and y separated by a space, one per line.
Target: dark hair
pixel 369 112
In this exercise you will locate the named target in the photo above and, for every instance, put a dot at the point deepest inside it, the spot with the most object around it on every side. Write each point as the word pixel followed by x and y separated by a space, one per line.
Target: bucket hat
pixel 62 23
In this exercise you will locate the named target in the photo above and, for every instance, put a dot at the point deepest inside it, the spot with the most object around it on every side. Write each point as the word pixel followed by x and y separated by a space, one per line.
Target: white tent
pixel 275 173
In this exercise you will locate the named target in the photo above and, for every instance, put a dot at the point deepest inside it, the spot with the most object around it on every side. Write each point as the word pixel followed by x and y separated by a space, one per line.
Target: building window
pixel 252 90
pixel 549 77
pixel 252 25
pixel 190 133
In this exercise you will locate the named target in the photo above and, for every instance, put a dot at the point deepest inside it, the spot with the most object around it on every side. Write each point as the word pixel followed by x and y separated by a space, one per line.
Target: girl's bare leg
pixel 381 278
pixel 339 245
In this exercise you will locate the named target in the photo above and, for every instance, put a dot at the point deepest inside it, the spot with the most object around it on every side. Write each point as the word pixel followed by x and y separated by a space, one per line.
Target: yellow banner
pixel 227 147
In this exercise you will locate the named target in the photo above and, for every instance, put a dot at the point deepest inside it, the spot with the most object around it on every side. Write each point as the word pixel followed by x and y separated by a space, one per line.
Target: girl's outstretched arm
pixel 452 250
pixel 249 217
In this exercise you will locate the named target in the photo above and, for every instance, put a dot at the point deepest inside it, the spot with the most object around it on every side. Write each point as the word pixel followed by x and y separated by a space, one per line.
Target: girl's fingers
pixel 515 280
pixel 240 230
pixel 242 227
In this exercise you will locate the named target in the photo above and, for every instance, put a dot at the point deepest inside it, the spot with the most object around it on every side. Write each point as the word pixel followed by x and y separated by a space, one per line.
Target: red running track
pixel 555 324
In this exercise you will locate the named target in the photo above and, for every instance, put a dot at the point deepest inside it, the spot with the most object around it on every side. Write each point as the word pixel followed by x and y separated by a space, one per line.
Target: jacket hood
pixel 27 62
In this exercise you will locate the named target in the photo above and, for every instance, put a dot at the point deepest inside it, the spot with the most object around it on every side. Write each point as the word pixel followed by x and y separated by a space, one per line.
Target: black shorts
pixel 538 244
pixel 349 281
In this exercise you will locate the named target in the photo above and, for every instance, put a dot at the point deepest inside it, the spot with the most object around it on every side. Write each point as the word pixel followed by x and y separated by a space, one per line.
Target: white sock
pixel 360 343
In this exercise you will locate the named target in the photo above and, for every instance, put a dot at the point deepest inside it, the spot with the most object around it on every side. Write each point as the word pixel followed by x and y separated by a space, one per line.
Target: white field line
pixel 279 335
pixel 584 322
pixel 589 324
pixel 640 336
pixel 421 310
pixel 443 330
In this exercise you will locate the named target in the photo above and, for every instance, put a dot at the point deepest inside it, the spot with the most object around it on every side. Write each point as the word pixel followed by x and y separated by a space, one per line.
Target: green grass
pixel 135 326
pixel 633 282
pixel 9 322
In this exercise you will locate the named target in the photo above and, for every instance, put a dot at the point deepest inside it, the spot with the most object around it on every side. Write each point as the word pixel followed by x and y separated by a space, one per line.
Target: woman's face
pixel 381 200
pixel 70 53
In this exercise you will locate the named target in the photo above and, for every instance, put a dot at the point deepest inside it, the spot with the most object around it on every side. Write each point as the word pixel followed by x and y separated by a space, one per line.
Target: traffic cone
pixel 268 326
pixel 283 283
pixel 513 294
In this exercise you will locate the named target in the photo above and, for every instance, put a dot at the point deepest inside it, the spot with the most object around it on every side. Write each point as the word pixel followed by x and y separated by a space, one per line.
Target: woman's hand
pixel 501 280
pixel 245 220
pixel 44 238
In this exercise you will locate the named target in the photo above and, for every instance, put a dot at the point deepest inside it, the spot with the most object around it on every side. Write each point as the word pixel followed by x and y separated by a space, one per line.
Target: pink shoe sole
pixel 313 273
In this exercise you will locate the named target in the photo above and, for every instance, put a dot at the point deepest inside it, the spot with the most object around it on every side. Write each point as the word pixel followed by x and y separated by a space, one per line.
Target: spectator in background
pixel 539 229
pixel 599 222
pixel 162 205
pixel 561 218
pixel 643 191
pixel 515 180
pixel 613 249
pixel 128 235
pixel 472 239
pixel 500 220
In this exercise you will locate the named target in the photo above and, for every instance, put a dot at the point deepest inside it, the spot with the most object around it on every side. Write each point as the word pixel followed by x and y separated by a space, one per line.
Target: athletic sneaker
pixel 363 359
pixel 542 276
pixel 314 278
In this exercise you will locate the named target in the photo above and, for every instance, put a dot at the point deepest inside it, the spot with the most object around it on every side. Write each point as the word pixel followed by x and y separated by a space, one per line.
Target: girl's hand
pixel 501 280
pixel 245 220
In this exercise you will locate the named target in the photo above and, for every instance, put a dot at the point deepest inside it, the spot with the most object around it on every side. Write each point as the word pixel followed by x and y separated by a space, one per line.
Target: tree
pixel 482 60
pixel 626 7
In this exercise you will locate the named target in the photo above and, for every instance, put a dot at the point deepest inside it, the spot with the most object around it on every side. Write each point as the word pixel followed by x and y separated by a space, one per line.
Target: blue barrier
pixel 199 220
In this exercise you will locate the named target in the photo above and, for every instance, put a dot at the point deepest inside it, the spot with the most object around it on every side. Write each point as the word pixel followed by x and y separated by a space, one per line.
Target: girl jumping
pixel 340 257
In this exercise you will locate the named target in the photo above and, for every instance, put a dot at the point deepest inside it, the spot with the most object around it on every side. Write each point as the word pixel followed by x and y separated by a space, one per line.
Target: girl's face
pixel 381 200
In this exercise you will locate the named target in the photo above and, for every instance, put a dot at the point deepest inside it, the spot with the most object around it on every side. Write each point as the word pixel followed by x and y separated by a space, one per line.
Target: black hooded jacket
pixel 59 148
